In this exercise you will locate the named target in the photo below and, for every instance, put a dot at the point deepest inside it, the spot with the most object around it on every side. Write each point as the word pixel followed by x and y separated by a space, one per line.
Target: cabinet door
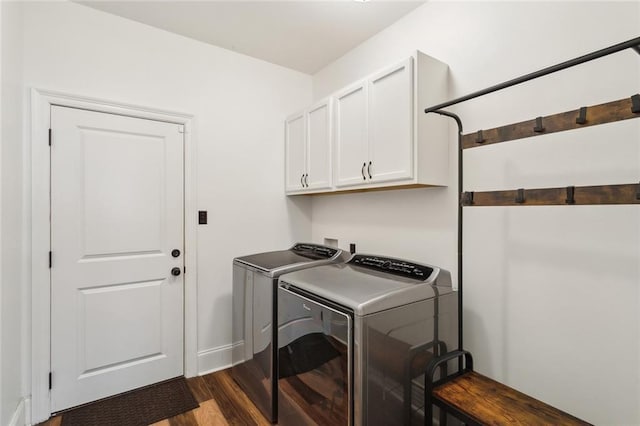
pixel 391 123
pixel 294 153
pixel 351 135
pixel 319 146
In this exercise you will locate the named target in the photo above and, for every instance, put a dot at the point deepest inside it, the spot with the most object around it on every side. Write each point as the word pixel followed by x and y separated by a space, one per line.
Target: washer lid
pixel 301 255
pixel 369 284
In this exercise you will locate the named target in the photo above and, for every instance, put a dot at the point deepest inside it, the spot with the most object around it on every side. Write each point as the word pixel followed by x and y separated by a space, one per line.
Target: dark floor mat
pixel 135 408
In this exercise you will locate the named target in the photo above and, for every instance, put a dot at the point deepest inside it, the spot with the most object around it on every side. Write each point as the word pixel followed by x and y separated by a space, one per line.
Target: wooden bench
pixel 479 400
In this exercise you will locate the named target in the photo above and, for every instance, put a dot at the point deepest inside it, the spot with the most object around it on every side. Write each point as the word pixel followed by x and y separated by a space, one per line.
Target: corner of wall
pixel 1 123
pixel 12 335
pixel 20 415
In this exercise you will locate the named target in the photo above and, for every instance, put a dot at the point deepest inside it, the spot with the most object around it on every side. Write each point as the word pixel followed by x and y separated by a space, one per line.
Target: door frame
pixel 41 103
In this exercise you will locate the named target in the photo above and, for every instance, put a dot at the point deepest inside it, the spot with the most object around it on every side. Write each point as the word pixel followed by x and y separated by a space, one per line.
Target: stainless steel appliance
pixel 354 340
pixel 255 280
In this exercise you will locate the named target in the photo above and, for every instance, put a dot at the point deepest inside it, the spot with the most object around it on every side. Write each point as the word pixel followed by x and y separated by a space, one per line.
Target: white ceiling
pixel 302 35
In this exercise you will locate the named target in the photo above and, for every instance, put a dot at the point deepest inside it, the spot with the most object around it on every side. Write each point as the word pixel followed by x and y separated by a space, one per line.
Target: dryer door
pixel 253 360
pixel 315 362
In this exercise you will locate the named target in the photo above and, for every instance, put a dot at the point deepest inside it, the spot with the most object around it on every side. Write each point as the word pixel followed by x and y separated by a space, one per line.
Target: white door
pixel 351 142
pixel 391 123
pixel 319 146
pixel 116 217
pixel 295 167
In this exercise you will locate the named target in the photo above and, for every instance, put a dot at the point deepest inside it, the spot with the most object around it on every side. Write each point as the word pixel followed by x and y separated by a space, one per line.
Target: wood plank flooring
pixel 221 401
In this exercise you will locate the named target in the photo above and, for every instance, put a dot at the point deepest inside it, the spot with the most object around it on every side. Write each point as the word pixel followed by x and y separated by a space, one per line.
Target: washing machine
pixel 255 279
pixel 354 340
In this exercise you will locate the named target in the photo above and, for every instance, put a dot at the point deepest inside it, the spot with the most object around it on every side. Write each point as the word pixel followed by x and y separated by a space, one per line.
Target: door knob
pixel 175 271
pixel 175 252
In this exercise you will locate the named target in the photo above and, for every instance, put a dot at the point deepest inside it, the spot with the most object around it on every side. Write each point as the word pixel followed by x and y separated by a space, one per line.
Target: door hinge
pixel 50 379
pixel 49 137
pixel 50 260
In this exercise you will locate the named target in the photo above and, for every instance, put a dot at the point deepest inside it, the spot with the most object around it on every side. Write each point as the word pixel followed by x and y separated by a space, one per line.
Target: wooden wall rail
pixel 622 109
pixel 579 195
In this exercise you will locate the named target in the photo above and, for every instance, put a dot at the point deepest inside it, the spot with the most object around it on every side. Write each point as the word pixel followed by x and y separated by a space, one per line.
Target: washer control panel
pixel 315 251
pixel 393 266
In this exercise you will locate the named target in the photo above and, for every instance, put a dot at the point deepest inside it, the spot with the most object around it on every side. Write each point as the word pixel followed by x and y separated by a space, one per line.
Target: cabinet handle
pixel 362 171
pixel 302 180
pixel 369 169
pixel 306 180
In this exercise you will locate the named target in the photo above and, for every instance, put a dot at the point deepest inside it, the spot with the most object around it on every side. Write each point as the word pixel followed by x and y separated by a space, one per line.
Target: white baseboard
pixel 215 359
pixel 19 417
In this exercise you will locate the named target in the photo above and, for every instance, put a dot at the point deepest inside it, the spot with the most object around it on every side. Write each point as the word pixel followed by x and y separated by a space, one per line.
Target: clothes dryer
pixel 255 279
pixel 355 338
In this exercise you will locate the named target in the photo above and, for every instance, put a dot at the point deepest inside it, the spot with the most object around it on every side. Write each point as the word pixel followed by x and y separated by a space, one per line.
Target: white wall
pixel 11 216
pixel 552 296
pixel 239 105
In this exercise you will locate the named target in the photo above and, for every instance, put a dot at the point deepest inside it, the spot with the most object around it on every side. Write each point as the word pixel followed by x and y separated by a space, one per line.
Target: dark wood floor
pixel 222 402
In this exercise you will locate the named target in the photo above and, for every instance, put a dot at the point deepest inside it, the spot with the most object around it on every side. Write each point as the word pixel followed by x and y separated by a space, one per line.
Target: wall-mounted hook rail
pixel 578 195
pixel 598 114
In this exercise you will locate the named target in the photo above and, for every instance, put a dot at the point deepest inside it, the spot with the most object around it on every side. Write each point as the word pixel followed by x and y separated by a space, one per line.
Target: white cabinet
pixel 374 128
pixel 351 141
pixel 295 152
pixel 391 124
pixel 319 146
pixel 308 149
pixel 381 137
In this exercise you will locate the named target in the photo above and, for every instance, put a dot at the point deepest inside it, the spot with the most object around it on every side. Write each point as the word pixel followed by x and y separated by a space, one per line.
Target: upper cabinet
pixel 351 140
pixel 381 137
pixel 308 137
pixel 294 152
pixel 391 124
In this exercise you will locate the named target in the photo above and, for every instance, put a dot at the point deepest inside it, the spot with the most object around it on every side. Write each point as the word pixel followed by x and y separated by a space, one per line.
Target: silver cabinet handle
pixel 369 169
pixel 301 180
pixel 306 180
pixel 362 171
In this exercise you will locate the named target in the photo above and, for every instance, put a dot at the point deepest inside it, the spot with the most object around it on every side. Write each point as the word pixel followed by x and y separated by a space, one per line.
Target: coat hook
pixel 539 128
pixel 582 116
pixel 479 137
pixel 520 196
pixel 570 195
pixel 467 198
pixel 635 104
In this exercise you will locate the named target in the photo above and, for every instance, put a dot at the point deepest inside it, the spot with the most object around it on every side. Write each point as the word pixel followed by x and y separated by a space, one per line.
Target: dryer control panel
pixel 393 266
pixel 314 251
